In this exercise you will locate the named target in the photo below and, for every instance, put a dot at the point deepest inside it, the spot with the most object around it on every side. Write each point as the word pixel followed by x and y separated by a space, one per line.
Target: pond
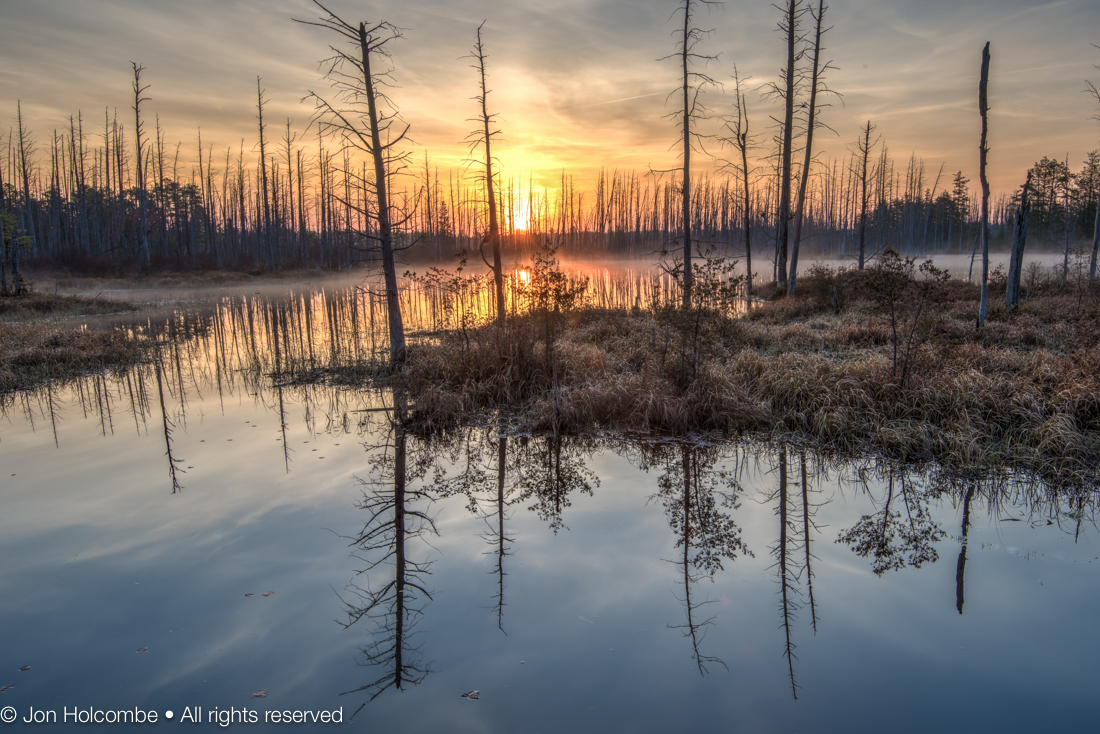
pixel 207 534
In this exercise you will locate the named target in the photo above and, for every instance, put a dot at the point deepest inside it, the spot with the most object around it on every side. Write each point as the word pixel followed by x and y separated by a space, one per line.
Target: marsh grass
pixel 917 383
pixel 35 344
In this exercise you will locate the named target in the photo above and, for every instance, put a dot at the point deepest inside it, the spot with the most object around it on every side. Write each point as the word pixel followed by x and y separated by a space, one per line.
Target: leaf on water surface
pixel 472 695
pixel 267 593
pixel 250 595
pixel 142 649
pixel 25 667
pixel 262 693
pixel 4 688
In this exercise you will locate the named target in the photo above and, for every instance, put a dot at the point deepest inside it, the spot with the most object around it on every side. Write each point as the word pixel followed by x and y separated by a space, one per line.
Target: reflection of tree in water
pixel 550 468
pixel 896 539
pixel 167 425
pixel 960 569
pixel 698 500
pixel 793 549
pixel 488 492
pixel 789 593
pixel 392 596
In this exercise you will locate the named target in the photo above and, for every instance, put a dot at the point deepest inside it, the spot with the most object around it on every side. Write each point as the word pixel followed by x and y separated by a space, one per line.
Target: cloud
pixel 577 83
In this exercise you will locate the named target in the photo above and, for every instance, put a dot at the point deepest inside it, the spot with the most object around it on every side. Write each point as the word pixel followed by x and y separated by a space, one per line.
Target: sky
pixel 577 84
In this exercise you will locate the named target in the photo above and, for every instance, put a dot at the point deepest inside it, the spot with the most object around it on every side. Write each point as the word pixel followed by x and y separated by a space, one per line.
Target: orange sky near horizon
pixel 576 83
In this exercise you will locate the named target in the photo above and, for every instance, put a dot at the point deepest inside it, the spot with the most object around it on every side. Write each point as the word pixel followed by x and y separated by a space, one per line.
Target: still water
pixel 202 530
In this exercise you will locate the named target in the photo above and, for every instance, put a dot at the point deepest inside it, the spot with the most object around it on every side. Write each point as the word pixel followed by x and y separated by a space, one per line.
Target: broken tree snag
pixel 1019 235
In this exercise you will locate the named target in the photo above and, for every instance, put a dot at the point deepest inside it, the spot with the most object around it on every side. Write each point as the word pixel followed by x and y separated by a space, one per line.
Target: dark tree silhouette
pixel 960 568
pixel 698 500
pixel 793 12
pixel 864 145
pixel 1019 238
pixel 817 72
pixel 551 469
pixel 483 138
pixel 891 541
pixel 361 86
pixel 393 594
pixel 692 83
pixel 139 160
pixel 983 153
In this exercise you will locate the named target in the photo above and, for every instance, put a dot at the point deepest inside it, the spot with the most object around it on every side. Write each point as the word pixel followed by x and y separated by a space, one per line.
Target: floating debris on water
pixel 267 593
pixel 25 667
pixel 250 595
pixel 4 688
pixel 472 695
pixel 262 693
pixel 142 649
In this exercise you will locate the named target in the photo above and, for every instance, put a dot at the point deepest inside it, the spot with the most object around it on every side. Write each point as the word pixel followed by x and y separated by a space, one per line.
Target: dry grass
pixel 32 353
pixel 1023 393
pixel 36 345
pixel 38 307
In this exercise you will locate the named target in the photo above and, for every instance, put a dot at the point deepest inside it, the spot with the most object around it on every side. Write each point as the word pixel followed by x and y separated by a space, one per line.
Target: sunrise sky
pixel 577 83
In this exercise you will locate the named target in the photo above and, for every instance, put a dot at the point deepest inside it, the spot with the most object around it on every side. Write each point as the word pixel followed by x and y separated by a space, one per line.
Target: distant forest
pixel 116 194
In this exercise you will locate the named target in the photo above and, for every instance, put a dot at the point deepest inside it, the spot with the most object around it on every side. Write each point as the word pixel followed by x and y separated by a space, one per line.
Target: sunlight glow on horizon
pixel 576 91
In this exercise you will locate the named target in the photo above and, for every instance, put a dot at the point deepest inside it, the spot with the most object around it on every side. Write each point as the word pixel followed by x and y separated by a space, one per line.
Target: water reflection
pixel 721 499
pixel 389 591
pixel 892 540
pixel 699 501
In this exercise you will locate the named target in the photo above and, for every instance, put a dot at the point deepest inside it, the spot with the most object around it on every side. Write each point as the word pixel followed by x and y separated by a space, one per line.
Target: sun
pixel 521 217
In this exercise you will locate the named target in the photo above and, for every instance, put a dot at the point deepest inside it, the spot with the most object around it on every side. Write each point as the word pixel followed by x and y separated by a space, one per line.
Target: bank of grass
pixel 40 341
pixel 1024 392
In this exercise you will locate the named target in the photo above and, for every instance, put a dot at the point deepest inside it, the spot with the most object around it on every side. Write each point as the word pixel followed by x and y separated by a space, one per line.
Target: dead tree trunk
pixel 362 85
pixel 1096 225
pixel 138 99
pixel 685 189
pixel 815 77
pixel 1019 235
pixel 789 27
pixel 484 137
pixel 263 177
pixel 983 152
pixel 742 141
pixel 864 146
pixel 691 83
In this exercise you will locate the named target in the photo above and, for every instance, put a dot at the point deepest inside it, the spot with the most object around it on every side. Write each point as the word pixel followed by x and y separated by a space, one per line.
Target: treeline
pixel 109 196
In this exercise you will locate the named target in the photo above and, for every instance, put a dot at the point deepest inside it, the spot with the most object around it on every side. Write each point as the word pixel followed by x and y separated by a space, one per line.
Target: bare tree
pixel 1096 225
pixel 740 139
pixel 864 145
pixel 692 82
pixel 788 26
pixel 483 137
pixel 983 152
pixel 263 175
pixel 26 149
pixel 358 85
pixel 818 70
pixel 138 99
